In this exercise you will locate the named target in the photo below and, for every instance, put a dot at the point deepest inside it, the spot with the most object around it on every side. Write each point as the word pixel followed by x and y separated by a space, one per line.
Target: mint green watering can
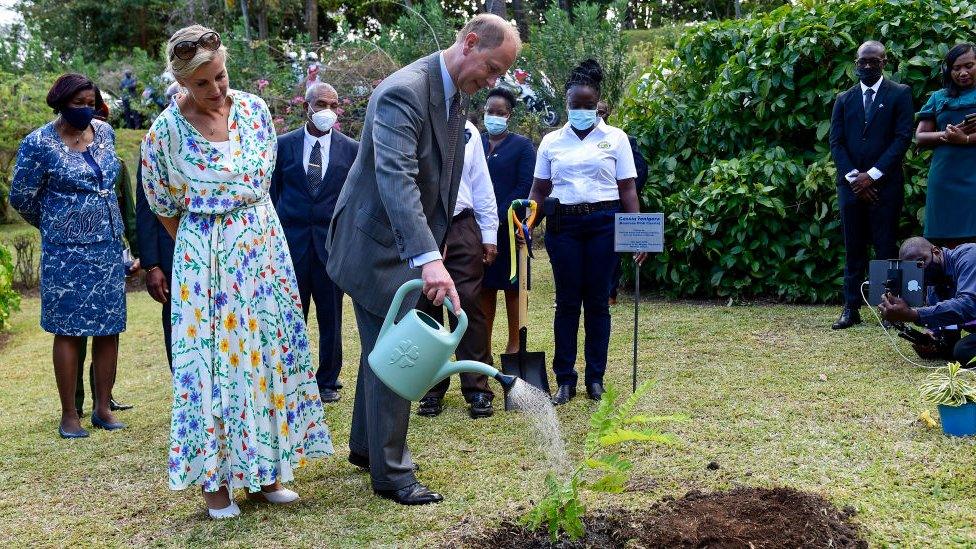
pixel 413 355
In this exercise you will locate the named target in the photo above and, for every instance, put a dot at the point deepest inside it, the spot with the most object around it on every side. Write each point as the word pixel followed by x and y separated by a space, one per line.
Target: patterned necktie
pixel 868 102
pixel 454 121
pixel 314 174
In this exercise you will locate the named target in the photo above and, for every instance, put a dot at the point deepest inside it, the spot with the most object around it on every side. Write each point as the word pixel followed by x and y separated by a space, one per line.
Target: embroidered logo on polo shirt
pixel 603 145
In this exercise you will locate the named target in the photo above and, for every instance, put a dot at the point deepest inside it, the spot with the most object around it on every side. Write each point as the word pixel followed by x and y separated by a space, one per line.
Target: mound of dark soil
pixel 743 517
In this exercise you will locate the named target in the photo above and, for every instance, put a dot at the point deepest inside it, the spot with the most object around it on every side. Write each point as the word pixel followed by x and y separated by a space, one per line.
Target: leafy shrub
pixel 24 110
pixel 9 298
pixel 734 125
pixel 559 43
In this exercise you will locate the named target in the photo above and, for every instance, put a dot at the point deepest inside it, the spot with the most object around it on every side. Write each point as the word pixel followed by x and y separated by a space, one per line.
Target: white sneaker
pixel 230 511
pixel 278 496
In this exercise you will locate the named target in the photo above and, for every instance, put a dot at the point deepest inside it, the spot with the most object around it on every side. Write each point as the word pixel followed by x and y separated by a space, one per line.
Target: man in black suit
pixel 312 165
pixel 156 256
pixel 870 131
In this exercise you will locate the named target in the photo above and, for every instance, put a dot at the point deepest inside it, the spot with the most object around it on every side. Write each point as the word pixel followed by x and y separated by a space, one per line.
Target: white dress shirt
pixel 873 173
pixel 325 142
pixel 449 90
pixel 476 191
pixel 585 170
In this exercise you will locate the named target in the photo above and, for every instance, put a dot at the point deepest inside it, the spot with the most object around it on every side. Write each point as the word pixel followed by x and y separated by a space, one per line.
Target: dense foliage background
pixel 734 125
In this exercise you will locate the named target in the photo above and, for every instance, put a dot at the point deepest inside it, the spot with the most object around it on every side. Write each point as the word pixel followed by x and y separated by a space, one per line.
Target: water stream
pixel 548 433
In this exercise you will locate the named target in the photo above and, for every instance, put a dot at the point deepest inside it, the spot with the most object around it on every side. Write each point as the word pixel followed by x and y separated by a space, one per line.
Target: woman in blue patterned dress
pixel 246 408
pixel 64 185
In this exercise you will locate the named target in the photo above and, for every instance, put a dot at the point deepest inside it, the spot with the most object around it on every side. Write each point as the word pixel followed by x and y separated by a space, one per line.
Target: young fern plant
pixel 950 385
pixel 611 425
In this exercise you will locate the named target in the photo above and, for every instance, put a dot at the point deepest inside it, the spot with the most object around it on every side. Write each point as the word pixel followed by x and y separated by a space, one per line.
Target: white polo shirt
pixel 586 170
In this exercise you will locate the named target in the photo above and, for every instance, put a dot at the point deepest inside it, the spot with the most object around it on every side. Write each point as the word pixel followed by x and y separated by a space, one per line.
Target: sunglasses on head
pixel 186 49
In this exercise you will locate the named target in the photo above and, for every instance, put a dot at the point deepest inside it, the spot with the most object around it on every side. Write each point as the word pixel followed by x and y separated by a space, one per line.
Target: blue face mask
pixel 495 124
pixel 582 119
pixel 78 117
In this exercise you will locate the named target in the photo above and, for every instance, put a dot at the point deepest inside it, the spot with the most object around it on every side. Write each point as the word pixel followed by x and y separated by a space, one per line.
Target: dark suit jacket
pixel 305 218
pixel 155 245
pixel 398 199
pixel 879 139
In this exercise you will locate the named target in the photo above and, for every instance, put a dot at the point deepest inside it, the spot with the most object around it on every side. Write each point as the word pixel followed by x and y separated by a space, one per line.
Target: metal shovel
pixel 528 366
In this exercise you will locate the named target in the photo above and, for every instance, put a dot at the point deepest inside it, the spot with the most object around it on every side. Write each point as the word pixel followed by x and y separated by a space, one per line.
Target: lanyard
pixel 524 228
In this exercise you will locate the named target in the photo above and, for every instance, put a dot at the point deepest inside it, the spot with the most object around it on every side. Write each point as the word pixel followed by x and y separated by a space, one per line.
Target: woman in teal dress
pixel 950 201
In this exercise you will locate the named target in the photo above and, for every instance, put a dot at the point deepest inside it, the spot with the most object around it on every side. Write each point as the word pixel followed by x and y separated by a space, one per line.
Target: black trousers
pixel 965 350
pixel 867 225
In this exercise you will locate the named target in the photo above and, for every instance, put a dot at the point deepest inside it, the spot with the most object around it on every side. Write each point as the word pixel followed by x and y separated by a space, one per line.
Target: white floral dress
pixel 246 409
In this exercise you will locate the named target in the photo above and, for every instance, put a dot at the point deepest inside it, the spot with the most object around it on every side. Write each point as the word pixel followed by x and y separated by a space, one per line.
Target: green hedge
pixel 735 124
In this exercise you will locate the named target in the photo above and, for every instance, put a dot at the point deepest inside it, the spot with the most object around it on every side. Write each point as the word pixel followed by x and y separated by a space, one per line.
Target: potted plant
pixel 953 389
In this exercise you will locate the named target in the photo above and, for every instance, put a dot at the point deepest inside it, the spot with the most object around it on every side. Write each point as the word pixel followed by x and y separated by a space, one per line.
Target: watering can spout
pixel 472 366
pixel 507 382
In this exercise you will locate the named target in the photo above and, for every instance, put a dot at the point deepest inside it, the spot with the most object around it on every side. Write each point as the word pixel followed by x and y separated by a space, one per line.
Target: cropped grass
pixel 775 399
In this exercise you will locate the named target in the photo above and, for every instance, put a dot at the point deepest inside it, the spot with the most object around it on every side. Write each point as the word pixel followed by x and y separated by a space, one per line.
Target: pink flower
pixel 339 111
pixel 297 100
pixel 338 126
pixel 262 83
pixel 346 101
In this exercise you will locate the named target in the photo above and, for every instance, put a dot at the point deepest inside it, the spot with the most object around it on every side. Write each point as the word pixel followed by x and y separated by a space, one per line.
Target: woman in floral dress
pixel 246 410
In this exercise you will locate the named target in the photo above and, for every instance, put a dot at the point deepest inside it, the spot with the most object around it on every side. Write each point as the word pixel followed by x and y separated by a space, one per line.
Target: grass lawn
pixel 775 397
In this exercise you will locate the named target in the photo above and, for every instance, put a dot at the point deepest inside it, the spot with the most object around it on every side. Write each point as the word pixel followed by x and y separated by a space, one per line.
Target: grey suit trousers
pixel 379 417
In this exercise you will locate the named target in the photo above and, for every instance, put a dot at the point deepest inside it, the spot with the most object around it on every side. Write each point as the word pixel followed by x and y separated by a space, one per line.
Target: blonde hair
pixel 491 30
pixel 182 69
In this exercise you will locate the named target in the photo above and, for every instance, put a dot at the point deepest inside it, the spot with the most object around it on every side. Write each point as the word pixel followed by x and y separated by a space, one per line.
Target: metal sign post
pixel 636 233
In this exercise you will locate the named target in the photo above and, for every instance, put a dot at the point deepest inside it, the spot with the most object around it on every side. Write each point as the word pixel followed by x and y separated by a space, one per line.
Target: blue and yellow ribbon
pixel 524 228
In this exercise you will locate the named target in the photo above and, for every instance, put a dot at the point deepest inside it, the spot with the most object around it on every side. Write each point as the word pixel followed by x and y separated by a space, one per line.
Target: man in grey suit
pixel 391 219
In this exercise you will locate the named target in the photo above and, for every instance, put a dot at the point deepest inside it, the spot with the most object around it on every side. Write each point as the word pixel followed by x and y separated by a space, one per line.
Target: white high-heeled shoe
pixel 282 496
pixel 230 511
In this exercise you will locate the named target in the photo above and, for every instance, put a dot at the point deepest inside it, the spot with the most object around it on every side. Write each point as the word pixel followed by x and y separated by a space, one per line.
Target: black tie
pixel 868 102
pixel 314 174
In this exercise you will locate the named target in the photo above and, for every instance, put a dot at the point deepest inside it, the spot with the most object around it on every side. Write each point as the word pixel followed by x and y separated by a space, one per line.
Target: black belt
pixel 588 208
pixel 465 213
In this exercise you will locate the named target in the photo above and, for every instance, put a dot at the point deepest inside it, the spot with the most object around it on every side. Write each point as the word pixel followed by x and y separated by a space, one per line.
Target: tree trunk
pixel 312 19
pixel 262 15
pixel 521 18
pixel 738 9
pixel 247 22
pixel 497 7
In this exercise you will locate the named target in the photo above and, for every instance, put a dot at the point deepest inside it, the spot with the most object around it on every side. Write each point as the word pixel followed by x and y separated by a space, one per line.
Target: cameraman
pixel 952 276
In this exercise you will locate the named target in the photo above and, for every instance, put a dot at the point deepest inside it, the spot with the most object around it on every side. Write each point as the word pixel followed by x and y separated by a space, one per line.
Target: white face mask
pixel 324 119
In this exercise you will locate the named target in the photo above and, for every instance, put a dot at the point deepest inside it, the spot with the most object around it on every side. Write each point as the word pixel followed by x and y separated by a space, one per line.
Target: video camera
pixel 905 279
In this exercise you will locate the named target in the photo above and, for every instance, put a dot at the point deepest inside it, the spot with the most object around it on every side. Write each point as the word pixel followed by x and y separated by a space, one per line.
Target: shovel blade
pixel 529 367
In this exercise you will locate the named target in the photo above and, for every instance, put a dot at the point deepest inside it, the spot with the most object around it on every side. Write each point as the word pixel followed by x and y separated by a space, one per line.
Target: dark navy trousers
pixel 866 226
pixel 314 284
pixel 583 261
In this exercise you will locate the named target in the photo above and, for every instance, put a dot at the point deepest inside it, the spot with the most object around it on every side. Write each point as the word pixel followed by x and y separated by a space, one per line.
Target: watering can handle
pixel 410 286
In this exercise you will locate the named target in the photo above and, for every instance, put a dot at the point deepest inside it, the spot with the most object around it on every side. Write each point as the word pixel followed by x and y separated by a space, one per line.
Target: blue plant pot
pixel 958 421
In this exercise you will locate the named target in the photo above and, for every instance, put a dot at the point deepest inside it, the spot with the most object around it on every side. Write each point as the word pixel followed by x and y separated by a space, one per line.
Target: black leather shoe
pixel 430 407
pixel 415 494
pixel 848 317
pixel 116 406
pixel 564 394
pixel 480 406
pixel 594 391
pixel 329 396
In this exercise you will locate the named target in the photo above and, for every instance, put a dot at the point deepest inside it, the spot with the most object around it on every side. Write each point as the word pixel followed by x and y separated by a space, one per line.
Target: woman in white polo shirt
pixel 589 167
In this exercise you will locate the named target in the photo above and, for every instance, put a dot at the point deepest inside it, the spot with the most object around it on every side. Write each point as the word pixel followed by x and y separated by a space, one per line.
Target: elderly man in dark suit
pixel 870 131
pixel 156 256
pixel 312 165
pixel 391 220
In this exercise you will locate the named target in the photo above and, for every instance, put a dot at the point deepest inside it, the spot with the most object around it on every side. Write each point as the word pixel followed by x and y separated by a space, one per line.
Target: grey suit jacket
pixel 398 198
